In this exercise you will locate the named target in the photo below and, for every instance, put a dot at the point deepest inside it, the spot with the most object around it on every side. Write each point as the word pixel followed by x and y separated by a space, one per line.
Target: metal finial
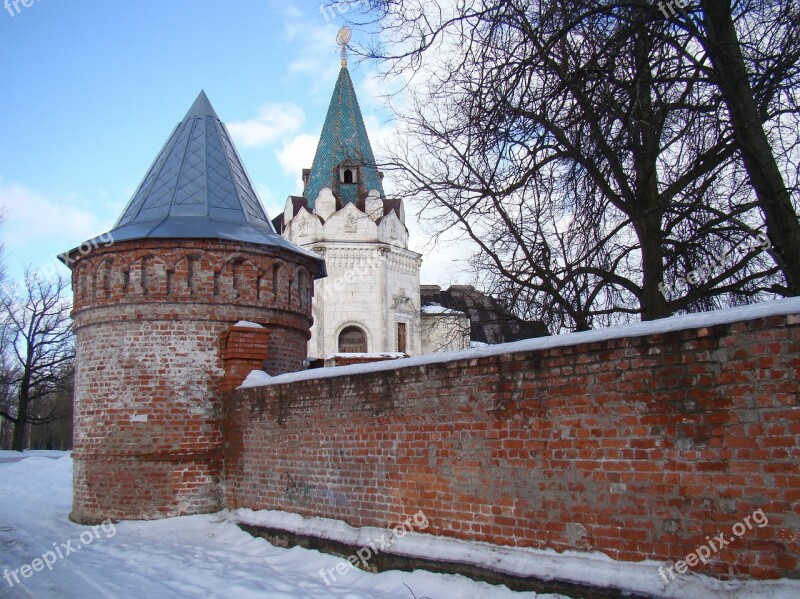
pixel 343 38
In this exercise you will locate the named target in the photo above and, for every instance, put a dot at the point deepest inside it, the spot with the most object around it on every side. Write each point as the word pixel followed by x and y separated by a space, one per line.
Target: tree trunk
pixel 653 303
pixel 21 425
pixel 783 228
pixel 646 212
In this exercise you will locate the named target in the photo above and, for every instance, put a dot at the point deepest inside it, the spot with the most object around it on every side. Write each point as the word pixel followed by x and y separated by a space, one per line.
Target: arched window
pixel 348 175
pixel 352 340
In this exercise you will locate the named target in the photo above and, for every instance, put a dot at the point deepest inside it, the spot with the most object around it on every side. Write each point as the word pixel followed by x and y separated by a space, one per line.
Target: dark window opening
pixel 352 340
pixel 347 176
pixel 401 337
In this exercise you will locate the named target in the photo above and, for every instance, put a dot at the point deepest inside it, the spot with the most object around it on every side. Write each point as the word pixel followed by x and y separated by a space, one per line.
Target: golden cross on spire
pixel 343 38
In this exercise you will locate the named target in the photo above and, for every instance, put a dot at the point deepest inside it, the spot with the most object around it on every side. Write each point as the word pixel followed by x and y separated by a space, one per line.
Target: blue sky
pixel 91 90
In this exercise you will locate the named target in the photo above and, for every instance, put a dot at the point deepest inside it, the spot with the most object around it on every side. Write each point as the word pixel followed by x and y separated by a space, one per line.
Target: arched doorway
pixel 352 340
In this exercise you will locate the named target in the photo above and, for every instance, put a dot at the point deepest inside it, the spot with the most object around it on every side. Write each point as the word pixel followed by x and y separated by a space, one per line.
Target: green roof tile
pixel 344 140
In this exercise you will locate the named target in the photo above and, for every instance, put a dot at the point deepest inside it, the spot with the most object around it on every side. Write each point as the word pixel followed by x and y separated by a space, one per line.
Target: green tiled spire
pixel 343 141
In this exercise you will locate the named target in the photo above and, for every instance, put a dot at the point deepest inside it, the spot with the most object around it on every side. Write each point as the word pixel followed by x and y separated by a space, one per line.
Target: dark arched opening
pixel 352 340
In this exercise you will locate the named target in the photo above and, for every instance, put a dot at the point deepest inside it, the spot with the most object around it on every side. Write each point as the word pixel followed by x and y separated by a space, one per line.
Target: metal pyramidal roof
pixel 344 140
pixel 198 188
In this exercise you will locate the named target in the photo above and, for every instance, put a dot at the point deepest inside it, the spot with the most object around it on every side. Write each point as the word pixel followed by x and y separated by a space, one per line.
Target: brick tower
pixel 156 300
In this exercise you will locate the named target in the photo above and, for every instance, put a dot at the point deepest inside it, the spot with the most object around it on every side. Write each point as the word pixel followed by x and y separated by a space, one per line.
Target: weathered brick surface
pixel 638 447
pixel 244 349
pixel 150 317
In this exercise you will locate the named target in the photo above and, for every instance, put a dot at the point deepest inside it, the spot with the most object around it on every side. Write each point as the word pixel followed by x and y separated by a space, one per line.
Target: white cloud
pixel 446 266
pixel 39 228
pixel 32 219
pixel 374 90
pixel 316 54
pixel 271 203
pixel 380 134
pixel 445 259
pixel 273 123
pixel 290 11
pixel 265 193
pixel 297 154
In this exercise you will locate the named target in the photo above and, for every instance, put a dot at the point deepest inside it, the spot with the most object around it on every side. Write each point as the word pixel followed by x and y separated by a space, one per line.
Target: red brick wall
pixel 149 319
pixel 638 447
pixel 244 349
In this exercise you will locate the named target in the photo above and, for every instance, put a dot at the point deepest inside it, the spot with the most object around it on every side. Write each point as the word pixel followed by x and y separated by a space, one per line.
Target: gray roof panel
pixel 198 188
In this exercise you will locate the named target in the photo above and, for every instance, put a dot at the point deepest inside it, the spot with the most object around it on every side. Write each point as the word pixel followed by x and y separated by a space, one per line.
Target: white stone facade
pixel 373 278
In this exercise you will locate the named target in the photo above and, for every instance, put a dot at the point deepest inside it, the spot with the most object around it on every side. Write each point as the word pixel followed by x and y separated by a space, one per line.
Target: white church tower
pixel 370 301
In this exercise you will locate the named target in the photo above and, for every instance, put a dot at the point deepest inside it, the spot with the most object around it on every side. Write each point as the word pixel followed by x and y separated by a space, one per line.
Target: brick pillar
pixel 244 349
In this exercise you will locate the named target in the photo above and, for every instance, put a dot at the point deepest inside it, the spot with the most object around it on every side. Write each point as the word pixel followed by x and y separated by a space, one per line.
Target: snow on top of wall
pixel 439 309
pixel 388 354
pixel 256 378
pixel 247 323
pixel 593 568
pixel 780 307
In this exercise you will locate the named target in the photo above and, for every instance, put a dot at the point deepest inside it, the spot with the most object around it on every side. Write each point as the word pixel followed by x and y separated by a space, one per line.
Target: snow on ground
pixel 202 557
pixel 208 556
pixel 15 456
pixel 579 567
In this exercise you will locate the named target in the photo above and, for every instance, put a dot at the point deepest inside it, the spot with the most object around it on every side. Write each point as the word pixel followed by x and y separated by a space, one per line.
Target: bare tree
pixel 446 332
pixel 584 147
pixel 759 82
pixel 3 217
pixel 39 351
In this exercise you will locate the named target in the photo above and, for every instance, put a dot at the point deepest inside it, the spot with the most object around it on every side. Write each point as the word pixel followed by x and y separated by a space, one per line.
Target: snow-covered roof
pixel 439 309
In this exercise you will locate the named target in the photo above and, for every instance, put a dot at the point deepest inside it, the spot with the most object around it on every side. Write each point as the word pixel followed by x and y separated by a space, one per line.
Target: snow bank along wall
pixel 153 323
pixel 637 447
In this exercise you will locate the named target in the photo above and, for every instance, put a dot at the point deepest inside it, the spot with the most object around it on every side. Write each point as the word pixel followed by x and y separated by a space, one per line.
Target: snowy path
pixel 192 557
pixel 208 556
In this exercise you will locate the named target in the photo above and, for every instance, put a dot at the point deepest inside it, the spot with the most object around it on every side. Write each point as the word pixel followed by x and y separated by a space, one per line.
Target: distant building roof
pixel 489 322
pixel 198 188
pixel 344 141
